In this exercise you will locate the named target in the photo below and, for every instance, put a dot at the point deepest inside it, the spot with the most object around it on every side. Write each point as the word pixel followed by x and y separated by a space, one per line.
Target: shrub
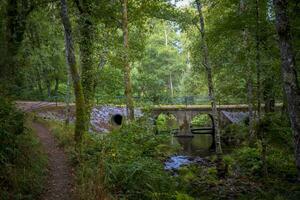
pixel 131 164
pixel 235 134
pixel 277 131
pixel 11 125
pixel 248 161
pixel 279 163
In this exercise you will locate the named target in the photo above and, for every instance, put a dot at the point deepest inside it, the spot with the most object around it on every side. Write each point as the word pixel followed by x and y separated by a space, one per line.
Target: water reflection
pixel 199 145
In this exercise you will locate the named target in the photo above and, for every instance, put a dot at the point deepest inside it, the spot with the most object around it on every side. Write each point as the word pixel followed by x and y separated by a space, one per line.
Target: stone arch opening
pixel 202 120
pixel 203 128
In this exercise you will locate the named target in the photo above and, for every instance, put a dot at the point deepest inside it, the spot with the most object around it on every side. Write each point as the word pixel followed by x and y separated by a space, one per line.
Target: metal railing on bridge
pixel 182 100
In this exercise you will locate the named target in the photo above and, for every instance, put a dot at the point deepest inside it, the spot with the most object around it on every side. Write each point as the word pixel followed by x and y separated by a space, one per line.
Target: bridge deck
pixel 40 105
pixel 202 107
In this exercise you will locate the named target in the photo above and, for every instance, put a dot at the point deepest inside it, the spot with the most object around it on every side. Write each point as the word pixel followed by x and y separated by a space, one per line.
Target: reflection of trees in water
pixel 166 122
pixel 196 144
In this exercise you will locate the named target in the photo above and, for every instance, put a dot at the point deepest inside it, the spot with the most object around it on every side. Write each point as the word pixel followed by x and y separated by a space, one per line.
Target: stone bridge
pixel 185 114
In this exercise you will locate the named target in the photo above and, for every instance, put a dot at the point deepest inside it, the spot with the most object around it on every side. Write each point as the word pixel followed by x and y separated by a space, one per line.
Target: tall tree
pixel 126 61
pixel 258 59
pixel 87 31
pixel 16 12
pixel 211 91
pixel 249 71
pixel 289 73
pixel 80 123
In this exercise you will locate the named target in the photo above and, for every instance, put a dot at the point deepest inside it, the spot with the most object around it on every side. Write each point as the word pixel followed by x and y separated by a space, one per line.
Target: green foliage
pixel 166 123
pixel 277 130
pixel 279 164
pixel 22 162
pixel 203 120
pixel 181 196
pixel 42 56
pixel 124 164
pixel 11 125
pixel 235 134
pixel 131 164
pixel 248 161
pixel 161 64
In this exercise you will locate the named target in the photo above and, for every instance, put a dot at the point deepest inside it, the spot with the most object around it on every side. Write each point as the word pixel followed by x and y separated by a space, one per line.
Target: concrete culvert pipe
pixel 117 119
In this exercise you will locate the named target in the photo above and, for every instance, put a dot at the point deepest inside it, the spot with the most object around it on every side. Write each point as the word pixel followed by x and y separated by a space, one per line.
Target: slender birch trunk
pixel 289 73
pixel 127 68
pixel 171 85
pixel 170 73
pixel 80 123
pixel 211 91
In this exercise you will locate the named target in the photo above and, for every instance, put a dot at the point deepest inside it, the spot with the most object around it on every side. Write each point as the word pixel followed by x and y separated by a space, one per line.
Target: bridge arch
pixel 166 122
pixel 203 124
pixel 202 119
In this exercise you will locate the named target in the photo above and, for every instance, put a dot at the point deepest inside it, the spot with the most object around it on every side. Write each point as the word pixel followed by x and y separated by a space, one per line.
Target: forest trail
pixel 59 182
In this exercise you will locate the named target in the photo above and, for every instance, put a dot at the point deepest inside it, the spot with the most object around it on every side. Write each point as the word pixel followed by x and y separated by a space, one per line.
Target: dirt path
pixel 59 183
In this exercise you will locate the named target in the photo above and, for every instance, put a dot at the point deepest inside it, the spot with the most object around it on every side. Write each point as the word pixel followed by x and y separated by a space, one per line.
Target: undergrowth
pixel 124 164
pixel 128 164
pixel 22 161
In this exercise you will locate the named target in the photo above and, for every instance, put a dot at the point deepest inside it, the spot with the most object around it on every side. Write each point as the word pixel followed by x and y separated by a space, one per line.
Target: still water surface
pixel 199 145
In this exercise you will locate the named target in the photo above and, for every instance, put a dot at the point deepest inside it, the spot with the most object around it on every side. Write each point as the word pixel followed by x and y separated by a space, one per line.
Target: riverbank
pixel 130 163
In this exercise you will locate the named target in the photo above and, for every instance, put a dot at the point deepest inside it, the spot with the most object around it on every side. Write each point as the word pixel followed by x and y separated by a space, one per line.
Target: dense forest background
pixel 164 49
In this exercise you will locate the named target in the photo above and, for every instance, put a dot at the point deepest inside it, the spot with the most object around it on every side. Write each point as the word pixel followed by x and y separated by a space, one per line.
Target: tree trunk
pixel 67 100
pixel 15 28
pixel 127 69
pixel 171 85
pixel 258 61
pixel 80 123
pixel 211 91
pixel 250 107
pixel 260 132
pixel 166 37
pixel 39 83
pixel 86 40
pixel 249 81
pixel 268 95
pixel 170 74
pixel 56 87
pixel 289 73
pixel 48 84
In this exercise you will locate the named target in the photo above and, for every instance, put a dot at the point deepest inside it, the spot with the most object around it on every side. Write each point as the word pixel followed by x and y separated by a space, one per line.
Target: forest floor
pixel 59 183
